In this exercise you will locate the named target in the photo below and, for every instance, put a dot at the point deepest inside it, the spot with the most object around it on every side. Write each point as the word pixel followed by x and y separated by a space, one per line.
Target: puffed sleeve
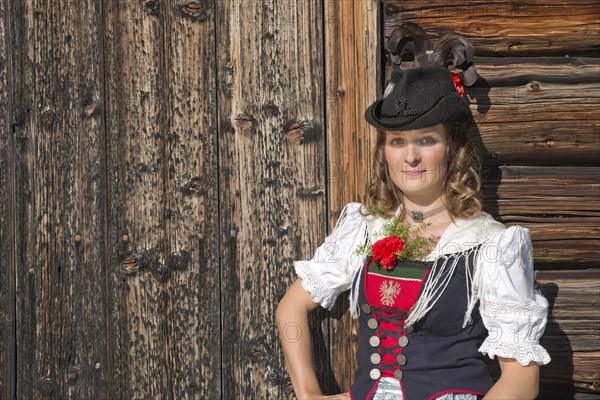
pixel 332 267
pixel 513 312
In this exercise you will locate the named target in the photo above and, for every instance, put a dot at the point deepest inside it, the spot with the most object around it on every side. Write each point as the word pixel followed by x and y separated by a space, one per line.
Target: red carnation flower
pixel 385 250
pixel 459 87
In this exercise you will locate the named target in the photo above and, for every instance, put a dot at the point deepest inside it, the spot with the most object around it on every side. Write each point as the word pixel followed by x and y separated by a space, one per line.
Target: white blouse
pixel 514 314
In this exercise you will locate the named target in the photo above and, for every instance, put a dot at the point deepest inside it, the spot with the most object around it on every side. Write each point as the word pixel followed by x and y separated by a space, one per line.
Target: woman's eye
pixel 428 140
pixel 396 141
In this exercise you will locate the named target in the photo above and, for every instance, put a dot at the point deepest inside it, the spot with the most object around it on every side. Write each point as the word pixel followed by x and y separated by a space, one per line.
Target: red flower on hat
pixel 385 250
pixel 459 87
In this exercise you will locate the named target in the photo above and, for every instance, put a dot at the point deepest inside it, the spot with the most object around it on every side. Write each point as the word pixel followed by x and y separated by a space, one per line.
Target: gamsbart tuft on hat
pixel 425 95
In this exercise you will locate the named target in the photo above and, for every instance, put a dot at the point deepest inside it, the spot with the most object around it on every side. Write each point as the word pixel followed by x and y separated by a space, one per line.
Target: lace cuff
pixel 524 353
pixel 334 263
pixel 515 330
pixel 320 292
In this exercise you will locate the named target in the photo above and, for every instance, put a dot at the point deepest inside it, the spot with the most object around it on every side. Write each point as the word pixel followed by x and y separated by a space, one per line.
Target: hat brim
pixel 450 107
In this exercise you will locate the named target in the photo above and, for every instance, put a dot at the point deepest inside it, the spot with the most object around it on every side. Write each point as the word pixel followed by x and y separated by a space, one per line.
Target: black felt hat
pixel 427 94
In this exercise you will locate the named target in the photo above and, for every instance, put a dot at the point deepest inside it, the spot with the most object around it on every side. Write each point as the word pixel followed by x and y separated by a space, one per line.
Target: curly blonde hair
pixel 462 182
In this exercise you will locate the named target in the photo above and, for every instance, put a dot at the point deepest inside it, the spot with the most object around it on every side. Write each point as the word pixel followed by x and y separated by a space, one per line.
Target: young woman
pixel 426 322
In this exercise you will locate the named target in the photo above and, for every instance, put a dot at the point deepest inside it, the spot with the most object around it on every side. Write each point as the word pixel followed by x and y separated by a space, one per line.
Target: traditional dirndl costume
pixel 425 325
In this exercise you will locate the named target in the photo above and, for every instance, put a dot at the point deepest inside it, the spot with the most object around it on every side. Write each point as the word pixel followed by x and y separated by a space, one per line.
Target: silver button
pixel 401 359
pixel 403 341
pixel 375 358
pixel 366 308
pixel 375 373
pixel 372 323
pixel 374 341
pixel 409 329
pixel 398 374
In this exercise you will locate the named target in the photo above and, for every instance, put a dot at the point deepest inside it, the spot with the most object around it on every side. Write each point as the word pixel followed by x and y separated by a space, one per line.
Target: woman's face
pixel 417 160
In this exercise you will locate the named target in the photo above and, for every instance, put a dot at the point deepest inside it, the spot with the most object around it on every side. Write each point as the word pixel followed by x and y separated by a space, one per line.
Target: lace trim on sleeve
pixel 524 353
pixel 320 292
pixel 530 311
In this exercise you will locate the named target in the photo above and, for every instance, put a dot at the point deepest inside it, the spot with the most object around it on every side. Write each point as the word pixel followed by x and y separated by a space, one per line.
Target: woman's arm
pixel 516 381
pixel 292 323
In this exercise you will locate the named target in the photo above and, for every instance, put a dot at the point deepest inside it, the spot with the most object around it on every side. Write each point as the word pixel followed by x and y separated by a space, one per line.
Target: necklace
pixel 419 216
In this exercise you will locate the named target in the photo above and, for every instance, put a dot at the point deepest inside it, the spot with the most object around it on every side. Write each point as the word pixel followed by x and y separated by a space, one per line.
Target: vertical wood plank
pixel 136 170
pixel 191 209
pixel 163 215
pixel 352 73
pixel 7 213
pixel 271 178
pixel 60 206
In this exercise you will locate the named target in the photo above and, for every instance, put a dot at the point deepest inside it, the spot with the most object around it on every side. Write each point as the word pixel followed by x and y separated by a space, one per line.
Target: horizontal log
pixel 564 224
pixel 506 28
pixel 515 71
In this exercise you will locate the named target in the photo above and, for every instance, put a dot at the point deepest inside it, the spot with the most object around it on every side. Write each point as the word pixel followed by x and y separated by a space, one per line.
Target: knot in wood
pixel 510 45
pixel 259 351
pixel 194 10
pixel 299 132
pixel 48 117
pixel 243 121
pixel 73 374
pixel 179 260
pixel 89 109
pixel 152 7
pixel 534 86
pixel 133 263
pixel 46 385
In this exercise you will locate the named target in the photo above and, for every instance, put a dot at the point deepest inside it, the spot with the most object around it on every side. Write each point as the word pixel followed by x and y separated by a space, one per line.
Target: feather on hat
pixel 427 94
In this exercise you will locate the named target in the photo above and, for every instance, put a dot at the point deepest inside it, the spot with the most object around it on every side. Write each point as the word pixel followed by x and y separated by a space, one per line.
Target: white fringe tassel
pixel 435 286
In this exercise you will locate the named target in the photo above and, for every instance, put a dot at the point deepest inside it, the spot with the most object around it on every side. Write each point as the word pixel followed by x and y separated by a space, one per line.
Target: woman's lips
pixel 413 173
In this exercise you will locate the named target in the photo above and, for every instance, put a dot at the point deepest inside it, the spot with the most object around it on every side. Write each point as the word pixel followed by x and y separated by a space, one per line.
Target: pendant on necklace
pixel 417 216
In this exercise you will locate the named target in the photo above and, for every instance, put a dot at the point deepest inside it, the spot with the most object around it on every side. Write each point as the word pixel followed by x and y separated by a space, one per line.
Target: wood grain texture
pixel 7 213
pixel 271 177
pixel 161 165
pixel 508 28
pixel 60 205
pixel 564 224
pixel 352 75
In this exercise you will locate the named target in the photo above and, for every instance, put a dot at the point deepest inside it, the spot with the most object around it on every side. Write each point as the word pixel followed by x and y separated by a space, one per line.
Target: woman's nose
pixel 412 154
